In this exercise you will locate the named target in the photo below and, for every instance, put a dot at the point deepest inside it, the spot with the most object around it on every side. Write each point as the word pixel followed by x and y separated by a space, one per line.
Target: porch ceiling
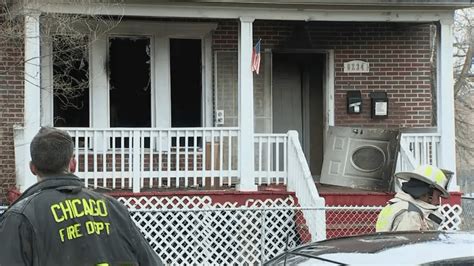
pixel 302 10
pixel 364 4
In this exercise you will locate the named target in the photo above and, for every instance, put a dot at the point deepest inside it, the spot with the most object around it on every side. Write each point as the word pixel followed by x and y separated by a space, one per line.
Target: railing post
pixel 320 232
pixel 136 171
pixel 246 111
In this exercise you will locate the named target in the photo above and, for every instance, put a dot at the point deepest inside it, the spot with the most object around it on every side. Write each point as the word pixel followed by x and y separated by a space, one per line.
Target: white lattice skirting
pixel 193 230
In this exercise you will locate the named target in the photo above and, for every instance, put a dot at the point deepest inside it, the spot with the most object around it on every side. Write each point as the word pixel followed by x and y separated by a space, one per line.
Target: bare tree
pixel 464 96
pixel 70 36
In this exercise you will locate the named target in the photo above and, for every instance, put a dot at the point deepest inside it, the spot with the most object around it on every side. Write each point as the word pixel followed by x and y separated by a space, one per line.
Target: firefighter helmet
pixel 431 175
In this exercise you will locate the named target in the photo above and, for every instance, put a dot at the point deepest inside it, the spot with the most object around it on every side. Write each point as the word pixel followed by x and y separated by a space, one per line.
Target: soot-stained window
pixel 70 82
pixel 186 82
pixel 130 83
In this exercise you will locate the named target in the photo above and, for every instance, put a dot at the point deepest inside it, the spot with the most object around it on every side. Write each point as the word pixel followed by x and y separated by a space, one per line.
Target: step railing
pixel 301 182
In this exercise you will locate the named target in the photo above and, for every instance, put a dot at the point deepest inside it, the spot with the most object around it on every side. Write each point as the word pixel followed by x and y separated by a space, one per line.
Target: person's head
pixel 51 153
pixel 426 183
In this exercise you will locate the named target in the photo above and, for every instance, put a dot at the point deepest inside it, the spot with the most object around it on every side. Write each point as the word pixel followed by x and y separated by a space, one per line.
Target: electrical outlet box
pixel 219 117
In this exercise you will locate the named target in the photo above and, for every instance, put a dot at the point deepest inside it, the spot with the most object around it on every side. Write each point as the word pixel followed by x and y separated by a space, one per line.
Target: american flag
pixel 256 57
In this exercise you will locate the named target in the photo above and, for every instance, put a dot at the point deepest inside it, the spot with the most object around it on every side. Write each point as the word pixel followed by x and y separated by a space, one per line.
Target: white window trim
pixel 160 33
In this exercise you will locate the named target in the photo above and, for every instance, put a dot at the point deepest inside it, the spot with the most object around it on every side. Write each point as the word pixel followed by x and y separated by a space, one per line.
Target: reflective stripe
pixel 440 179
pixel 384 220
pixel 102 264
pixel 428 171
pixel 433 174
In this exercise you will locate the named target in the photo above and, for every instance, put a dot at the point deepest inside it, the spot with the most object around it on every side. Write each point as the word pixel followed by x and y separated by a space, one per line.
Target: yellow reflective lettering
pixel 99 227
pixel 93 207
pixel 54 209
pixel 86 207
pixel 90 227
pixel 107 228
pixel 66 208
pixel 74 204
pixel 101 208
pixel 77 230
pixel 61 234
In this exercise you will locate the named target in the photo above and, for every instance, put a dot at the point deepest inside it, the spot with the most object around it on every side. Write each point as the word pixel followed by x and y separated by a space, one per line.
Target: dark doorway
pixel 297 93
pixel 186 82
pixel 130 87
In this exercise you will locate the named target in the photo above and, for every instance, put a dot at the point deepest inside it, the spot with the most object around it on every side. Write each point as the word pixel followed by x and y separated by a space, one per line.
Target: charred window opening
pixel 186 92
pixel 70 82
pixel 130 85
pixel 186 85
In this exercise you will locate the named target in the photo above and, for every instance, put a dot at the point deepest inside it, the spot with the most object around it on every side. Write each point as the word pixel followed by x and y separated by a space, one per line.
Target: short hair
pixel 51 150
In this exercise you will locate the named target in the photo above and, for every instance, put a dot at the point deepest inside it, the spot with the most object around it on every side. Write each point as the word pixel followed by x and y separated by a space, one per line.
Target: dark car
pixel 395 248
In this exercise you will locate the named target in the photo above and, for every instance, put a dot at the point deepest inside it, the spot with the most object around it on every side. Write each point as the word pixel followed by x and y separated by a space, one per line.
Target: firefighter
pixel 416 206
pixel 58 221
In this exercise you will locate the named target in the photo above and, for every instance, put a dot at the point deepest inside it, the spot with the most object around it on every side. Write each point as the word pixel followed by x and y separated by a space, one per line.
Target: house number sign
pixel 356 66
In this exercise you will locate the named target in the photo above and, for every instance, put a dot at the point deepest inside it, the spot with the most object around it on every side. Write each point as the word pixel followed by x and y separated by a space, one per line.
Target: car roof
pixel 356 248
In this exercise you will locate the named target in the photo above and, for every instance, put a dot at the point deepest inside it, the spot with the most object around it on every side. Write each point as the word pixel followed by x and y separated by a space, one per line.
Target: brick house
pixel 173 105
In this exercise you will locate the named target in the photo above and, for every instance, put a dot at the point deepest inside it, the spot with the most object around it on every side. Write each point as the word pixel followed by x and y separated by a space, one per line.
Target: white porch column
pixel 246 113
pixel 32 99
pixel 445 101
pixel 163 83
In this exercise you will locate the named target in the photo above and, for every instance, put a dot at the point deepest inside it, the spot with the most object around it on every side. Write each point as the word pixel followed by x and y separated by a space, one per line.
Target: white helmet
pixel 431 175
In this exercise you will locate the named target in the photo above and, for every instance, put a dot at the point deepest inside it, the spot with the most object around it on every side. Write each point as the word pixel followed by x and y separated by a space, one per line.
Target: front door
pixel 297 91
pixel 360 157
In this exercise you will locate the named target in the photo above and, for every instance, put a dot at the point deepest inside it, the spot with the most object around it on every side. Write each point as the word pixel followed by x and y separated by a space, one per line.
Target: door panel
pixel 287 108
pixel 360 157
pixel 297 91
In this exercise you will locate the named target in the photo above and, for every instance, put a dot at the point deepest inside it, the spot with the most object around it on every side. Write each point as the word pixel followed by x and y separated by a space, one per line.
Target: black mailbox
pixel 354 102
pixel 379 104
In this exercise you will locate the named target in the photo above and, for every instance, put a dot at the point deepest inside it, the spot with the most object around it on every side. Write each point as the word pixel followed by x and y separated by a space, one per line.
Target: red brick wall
pixel 398 54
pixel 11 108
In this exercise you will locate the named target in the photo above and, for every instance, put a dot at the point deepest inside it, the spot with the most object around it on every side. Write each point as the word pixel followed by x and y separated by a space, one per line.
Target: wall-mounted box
pixel 379 104
pixel 354 102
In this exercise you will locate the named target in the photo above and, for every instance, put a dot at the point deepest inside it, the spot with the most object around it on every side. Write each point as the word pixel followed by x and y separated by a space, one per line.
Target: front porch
pixel 153 159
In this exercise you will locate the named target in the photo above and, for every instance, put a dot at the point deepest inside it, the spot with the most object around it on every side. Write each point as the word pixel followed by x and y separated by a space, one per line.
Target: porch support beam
pixel 246 111
pixel 445 100
pixel 32 100
pixel 265 12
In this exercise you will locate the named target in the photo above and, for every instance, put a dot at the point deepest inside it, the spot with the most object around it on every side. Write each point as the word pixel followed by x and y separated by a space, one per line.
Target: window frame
pixel 159 33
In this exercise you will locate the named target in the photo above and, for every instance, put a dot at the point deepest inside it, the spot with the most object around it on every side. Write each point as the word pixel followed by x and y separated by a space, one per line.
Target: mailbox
pixel 379 104
pixel 354 102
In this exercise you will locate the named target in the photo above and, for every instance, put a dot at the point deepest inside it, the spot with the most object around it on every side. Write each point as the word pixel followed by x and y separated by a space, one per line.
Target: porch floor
pixel 334 195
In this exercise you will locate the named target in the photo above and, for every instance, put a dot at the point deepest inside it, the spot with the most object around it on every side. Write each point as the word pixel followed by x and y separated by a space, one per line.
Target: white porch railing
pixel 145 158
pixel 418 149
pixel 150 158
pixel 271 164
pixel 141 158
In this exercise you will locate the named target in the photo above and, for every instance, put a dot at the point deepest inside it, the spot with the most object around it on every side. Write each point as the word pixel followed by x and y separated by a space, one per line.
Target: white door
pixel 360 157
